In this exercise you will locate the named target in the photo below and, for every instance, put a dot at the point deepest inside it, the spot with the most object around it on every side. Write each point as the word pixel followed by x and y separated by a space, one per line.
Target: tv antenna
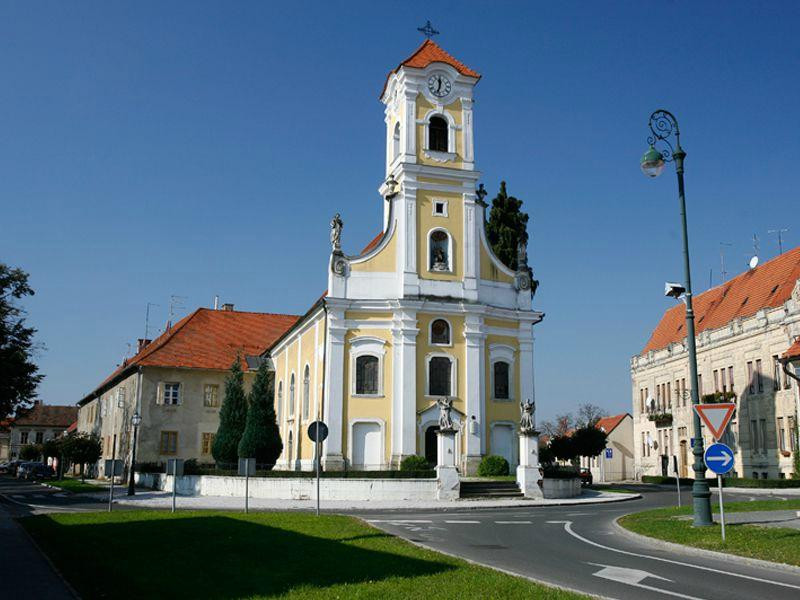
pixel 780 233
pixel 175 301
pixel 723 272
pixel 147 319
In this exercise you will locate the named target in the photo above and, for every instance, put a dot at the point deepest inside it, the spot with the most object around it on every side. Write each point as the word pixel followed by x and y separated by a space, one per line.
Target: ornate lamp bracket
pixel 664 126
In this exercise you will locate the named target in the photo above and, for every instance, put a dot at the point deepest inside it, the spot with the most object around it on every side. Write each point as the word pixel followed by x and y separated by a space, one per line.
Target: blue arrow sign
pixel 718 458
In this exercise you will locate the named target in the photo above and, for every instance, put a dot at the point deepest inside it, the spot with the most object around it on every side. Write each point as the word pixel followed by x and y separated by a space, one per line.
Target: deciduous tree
pixel 82 449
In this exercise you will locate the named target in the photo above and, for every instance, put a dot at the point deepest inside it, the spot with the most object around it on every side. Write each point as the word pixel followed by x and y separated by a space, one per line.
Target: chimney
pixel 216 302
pixel 227 306
pixel 141 344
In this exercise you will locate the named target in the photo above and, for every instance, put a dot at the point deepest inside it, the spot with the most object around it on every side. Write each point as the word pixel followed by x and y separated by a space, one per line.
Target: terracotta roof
pixel 375 241
pixel 47 415
pixel 430 52
pixel 73 427
pixel 767 286
pixel 609 424
pixel 208 339
pixel 794 350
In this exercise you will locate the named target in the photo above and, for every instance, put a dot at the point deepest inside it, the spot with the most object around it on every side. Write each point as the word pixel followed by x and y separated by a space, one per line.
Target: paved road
pixel 21 498
pixel 580 548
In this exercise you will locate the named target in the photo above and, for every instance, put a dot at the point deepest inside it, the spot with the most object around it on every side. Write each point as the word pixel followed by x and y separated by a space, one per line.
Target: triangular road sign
pixel 716 416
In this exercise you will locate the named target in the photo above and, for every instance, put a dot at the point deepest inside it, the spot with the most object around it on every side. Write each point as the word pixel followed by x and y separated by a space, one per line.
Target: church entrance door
pixel 431 445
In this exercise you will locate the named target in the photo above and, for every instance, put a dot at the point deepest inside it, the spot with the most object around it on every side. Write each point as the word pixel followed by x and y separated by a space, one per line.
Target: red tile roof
pixel 208 339
pixel 47 415
pixel 609 424
pixel 430 52
pixel 794 350
pixel 767 286
pixel 73 427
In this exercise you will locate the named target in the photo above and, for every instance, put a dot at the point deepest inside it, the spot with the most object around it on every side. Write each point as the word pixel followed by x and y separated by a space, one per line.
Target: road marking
pixel 462 522
pixel 568 529
pixel 634 577
pixel 398 521
pixel 17 496
pixel 513 522
pixel 578 514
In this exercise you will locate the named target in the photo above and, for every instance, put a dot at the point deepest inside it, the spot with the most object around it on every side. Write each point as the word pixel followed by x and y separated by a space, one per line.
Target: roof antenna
pixel 147 320
pixel 175 301
pixel 723 273
pixel 780 233
pixel 754 259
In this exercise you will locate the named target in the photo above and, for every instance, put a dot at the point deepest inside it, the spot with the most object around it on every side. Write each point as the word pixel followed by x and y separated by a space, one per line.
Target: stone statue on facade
pixel 445 419
pixel 522 255
pixel 527 420
pixel 439 260
pixel 336 232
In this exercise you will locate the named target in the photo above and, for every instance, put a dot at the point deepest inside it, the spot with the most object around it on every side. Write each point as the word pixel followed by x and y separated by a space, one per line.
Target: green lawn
pixel 766 543
pixel 139 554
pixel 76 486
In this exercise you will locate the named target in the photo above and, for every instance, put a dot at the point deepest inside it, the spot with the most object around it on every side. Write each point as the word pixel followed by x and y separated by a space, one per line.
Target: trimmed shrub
pixel 759 483
pixel 414 463
pixel 492 466
pixel 658 479
pixel 556 472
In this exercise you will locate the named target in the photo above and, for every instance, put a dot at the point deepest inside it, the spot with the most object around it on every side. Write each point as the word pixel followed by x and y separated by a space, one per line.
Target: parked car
pixel 586 476
pixel 12 466
pixel 34 470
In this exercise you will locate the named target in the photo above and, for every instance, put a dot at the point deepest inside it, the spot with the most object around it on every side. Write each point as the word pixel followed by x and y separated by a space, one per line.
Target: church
pixel 426 311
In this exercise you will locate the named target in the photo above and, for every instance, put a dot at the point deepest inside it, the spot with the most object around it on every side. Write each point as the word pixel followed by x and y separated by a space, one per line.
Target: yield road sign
pixel 716 416
pixel 718 458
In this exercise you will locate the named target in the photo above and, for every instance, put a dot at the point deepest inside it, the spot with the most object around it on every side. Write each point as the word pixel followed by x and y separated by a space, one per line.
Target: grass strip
pixel 276 555
pixel 76 486
pixel 753 541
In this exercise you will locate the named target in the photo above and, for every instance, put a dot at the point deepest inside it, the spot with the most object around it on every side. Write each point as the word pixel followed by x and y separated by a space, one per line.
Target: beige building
pixel 176 383
pixel 616 463
pixel 743 328
pixel 37 424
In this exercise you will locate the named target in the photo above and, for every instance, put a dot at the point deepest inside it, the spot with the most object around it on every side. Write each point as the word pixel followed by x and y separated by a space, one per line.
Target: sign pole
pixel 247 490
pixel 316 453
pixel 113 464
pixel 721 508
pixel 174 483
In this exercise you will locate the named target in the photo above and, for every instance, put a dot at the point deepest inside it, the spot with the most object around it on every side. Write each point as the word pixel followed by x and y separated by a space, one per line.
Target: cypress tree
pixel 232 417
pixel 506 227
pixel 261 439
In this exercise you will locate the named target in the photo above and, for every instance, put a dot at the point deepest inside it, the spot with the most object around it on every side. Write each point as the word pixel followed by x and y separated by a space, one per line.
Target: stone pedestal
pixel 528 476
pixel 448 482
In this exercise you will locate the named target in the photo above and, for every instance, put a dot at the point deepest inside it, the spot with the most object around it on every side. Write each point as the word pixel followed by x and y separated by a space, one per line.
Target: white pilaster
pixel 475 392
pixel 332 458
pixel 409 132
pixel 404 384
pixel 471 248
pixel 466 120
pixel 526 387
pixel 407 238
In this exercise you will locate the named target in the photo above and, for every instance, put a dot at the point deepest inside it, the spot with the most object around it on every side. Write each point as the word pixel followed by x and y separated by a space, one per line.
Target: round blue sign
pixel 718 458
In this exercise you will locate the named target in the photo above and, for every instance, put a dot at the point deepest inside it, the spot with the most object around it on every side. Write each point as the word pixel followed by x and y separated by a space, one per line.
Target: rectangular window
pixel 776 368
pixel 439 376
pixel 658 396
pixel 208 440
pixel 669 395
pixel 641 400
pixel 723 380
pixel 501 380
pixel 367 368
pixel 750 378
pixel 700 384
pixel 211 395
pixel 716 380
pixel 753 436
pixel 169 442
pixel 121 398
pixel 762 434
pixel 781 435
pixel 683 390
pixel 730 377
pixel 23 437
pixel 792 437
pixel 787 382
pixel 39 437
pixel 759 376
pixel 172 393
pixel 644 444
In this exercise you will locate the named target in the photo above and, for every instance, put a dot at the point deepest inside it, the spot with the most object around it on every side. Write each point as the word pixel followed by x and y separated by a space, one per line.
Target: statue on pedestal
pixel 336 232
pixel 527 420
pixel 445 419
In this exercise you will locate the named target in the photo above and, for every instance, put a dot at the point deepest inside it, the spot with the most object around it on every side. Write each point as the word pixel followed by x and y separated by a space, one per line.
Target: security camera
pixel 675 290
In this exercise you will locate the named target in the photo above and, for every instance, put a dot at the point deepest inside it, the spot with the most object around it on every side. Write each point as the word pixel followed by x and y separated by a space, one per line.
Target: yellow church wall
pixel 456 350
pixel 489 271
pixel 453 223
pixel 383 262
pixel 503 323
pixel 435 181
pixel 505 410
pixel 453 110
pixel 360 407
pixel 361 315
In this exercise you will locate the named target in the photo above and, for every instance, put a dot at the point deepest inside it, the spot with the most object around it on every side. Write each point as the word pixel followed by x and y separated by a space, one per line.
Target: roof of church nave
pixel 767 286
pixel 430 52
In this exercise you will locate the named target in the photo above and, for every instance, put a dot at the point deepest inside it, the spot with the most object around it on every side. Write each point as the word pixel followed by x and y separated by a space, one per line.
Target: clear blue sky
pixel 196 149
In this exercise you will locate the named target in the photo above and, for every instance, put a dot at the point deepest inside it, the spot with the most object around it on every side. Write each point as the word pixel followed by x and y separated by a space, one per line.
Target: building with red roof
pixel 617 462
pixel 745 328
pixel 37 424
pixel 176 383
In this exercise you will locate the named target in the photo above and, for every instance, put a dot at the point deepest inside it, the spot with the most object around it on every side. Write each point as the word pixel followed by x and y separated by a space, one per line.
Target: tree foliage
pixel 563 448
pixel 559 426
pixel 232 418
pixel 30 452
pixel 589 441
pixel 506 227
pixel 261 438
pixel 19 376
pixel 82 449
pixel 589 414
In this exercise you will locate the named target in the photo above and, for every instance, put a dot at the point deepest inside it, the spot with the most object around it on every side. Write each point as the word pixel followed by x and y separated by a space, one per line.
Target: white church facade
pixel 426 311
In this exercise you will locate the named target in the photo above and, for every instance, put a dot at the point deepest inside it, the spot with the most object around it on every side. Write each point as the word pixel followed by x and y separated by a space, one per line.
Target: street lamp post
pixel 663 126
pixel 136 419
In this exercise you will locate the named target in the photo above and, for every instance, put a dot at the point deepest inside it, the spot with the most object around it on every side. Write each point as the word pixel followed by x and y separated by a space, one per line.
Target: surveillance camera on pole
pixel 674 290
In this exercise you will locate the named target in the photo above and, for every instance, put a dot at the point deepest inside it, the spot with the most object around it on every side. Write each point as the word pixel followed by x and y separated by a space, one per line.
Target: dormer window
pixel 437 134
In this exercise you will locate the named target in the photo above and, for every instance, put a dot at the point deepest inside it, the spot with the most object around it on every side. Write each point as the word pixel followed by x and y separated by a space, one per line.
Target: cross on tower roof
pixel 428 31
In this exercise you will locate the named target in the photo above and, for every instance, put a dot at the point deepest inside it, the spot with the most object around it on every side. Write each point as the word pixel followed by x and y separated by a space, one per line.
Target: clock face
pixel 439 85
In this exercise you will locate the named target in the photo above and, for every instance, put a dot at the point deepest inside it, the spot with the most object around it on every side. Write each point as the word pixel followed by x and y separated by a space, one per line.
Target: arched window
pixel 279 402
pixel 437 134
pixel 396 141
pixel 440 369
pixel 367 371
pixel 501 380
pixel 439 245
pixel 305 393
pixel 291 396
pixel 440 332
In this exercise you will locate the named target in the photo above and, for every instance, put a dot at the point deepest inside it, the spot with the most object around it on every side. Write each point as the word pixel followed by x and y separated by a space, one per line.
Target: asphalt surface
pixel 574 547
pixel 580 548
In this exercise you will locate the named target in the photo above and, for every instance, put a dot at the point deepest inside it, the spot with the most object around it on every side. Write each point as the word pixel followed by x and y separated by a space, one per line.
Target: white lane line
pixel 398 521
pixel 513 522
pixel 634 577
pixel 578 514
pixel 568 529
pixel 463 522
pixel 17 496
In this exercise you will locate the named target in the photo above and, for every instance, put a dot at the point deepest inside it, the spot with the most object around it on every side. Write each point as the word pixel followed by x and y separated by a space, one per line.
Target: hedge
pixel 560 473
pixel 732 482
pixel 665 480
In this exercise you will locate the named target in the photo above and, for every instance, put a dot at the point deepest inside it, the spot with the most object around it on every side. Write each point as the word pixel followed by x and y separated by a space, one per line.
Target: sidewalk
pixel 151 499
pixel 24 571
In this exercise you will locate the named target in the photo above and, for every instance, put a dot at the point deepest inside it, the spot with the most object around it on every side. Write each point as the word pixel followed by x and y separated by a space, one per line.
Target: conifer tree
pixel 232 417
pixel 506 227
pixel 261 439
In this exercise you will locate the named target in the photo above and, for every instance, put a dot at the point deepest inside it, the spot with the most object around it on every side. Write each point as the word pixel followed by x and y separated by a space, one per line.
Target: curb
pixel 691 550
pixel 484 565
